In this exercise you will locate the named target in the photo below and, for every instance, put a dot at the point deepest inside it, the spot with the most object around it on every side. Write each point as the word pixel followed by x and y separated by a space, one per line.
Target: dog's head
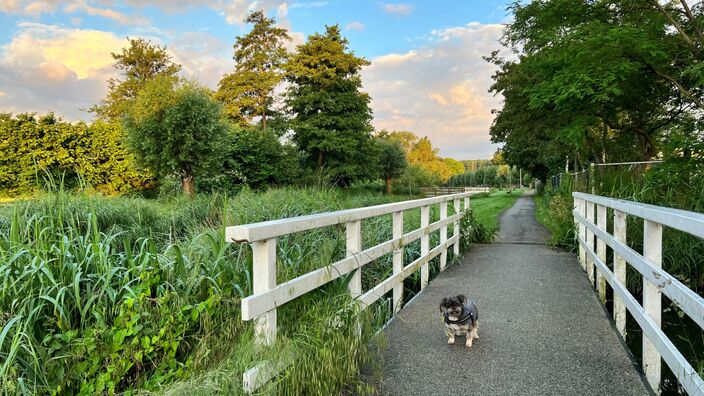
pixel 453 306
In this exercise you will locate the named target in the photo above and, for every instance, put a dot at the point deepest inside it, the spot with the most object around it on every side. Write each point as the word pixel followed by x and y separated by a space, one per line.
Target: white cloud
pixel 312 4
pixel 398 9
pixel 354 25
pixel 116 16
pixel 439 90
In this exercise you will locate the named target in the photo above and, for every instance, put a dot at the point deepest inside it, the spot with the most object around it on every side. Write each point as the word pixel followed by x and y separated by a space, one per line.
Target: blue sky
pixel 427 75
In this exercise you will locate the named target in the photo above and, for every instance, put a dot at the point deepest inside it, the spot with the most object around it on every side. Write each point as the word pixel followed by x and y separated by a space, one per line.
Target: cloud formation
pixel 354 25
pixel 400 9
pixel 439 90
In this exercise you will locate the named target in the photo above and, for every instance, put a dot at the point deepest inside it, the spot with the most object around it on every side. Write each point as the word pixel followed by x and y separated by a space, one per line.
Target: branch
pixel 693 21
pixel 673 21
pixel 679 86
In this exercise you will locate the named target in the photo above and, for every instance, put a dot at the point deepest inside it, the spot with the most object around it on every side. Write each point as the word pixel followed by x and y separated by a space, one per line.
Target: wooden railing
pixel 656 344
pixel 268 295
pixel 438 191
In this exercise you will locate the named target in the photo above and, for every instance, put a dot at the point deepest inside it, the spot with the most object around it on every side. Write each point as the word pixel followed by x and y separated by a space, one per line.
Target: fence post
pixel 443 235
pixel 424 245
pixel 590 242
pixel 601 252
pixel 620 272
pixel 398 259
pixel 591 178
pixel 581 207
pixel 354 246
pixel 456 230
pixel 466 203
pixel 652 300
pixel 264 279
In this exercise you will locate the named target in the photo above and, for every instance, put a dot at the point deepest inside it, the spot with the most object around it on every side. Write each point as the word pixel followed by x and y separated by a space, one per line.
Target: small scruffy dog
pixel 461 318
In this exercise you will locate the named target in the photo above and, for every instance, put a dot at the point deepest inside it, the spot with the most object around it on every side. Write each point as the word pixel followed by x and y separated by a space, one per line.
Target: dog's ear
pixel 443 304
pixel 462 298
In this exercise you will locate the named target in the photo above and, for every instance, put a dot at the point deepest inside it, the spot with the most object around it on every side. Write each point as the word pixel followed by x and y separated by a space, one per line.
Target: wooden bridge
pixel 543 329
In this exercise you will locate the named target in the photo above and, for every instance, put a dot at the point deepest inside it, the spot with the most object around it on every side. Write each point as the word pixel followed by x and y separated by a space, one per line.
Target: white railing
pixel 437 191
pixel 656 344
pixel 268 295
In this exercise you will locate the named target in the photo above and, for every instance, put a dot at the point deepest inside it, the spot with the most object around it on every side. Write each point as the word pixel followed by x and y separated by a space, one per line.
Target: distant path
pixel 542 329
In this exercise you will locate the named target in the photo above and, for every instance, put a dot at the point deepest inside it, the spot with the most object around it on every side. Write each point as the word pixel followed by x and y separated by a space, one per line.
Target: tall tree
pixel 248 91
pixel 138 64
pixel 331 114
pixel 176 129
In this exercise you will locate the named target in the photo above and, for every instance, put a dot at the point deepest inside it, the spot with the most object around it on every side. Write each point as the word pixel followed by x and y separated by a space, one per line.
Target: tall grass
pixel 110 295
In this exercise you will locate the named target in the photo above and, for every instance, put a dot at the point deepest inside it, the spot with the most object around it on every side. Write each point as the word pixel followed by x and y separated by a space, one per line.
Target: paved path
pixel 542 330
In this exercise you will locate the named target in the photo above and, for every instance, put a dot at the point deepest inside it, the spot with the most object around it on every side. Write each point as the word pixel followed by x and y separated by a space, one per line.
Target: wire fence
pixel 587 180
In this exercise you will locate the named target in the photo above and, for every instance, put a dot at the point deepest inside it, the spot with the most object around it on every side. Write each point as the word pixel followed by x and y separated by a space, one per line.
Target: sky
pixel 426 75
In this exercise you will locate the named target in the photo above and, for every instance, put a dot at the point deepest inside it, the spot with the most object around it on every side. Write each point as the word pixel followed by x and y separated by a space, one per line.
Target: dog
pixel 461 318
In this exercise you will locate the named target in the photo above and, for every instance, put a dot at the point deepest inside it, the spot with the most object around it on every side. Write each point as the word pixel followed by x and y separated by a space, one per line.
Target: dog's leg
pixel 468 343
pixel 451 339
pixel 475 331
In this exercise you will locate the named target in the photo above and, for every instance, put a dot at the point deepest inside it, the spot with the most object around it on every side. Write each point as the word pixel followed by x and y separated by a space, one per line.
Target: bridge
pixel 543 327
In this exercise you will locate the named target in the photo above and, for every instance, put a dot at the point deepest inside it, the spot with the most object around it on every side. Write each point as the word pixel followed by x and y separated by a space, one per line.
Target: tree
pixel 331 115
pixel 406 139
pixel 175 128
pixel 248 91
pixel 392 161
pixel 139 63
pixel 596 81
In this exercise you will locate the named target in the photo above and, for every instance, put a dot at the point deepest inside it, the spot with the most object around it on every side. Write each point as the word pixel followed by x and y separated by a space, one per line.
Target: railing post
pixel 590 241
pixel 456 230
pixel 620 272
pixel 652 301
pixel 354 246
pixel 264 279
pixel 581 207
pixel 424 245
pixel 398 259
pixel 443 235
pixel 601 252
pixel 466 203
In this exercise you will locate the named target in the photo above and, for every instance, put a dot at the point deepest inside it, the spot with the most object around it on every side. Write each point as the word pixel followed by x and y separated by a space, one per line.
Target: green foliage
pixel 176 129
pixel 487 176
pixel 139 63
pixel 332 117
pixel 108 295
pixel 257 159
pixel 598 81
pixel 33 147
pixel 248 91
pixel 392 161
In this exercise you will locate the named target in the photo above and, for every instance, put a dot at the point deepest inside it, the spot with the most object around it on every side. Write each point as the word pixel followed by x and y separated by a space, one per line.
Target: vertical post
pixel 398 259
pixel 601 252
pixel 264 279
pixel 354 246
pixel 620 272
pixel 466 203
pixel 456 230
pixel 590 241
pixel 424 244
pixel 443 235
pixel 591 178
pixel 581 208
pixel 652 300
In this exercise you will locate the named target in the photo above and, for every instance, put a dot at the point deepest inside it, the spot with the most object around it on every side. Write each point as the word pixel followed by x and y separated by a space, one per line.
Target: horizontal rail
pixel 685 373
pixel 685 298
pixel 274 228
pixel 690 222
pixel 388 284
pixel 257 304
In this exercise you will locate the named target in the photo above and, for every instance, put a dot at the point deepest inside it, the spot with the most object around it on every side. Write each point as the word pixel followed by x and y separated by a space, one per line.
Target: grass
pixel 109 295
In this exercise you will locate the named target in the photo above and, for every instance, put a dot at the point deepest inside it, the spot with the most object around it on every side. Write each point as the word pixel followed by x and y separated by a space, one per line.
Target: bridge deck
pixel 542 329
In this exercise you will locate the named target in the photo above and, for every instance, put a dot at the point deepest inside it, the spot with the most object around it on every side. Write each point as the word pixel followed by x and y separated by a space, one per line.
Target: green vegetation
pixel 107 295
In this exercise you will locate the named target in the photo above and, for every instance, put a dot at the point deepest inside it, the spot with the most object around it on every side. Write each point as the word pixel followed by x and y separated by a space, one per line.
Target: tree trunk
pixel 321 159
pixel 388 185
pixel 264 119
pixel 188 184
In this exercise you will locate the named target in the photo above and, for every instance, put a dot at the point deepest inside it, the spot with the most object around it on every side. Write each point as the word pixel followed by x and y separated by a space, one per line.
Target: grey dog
pixel 461 318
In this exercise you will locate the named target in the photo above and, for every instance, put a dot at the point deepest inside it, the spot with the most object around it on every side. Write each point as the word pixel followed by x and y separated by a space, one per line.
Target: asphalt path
pixel 542 329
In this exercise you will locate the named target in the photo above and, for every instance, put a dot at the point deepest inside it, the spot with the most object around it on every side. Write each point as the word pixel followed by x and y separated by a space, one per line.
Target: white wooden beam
pixel 619 271
pixel 264 280
pixel 443 235
pixel 424 245
pixel 397 219
pixel 353 237
pixel 601 251
pixel 652 301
